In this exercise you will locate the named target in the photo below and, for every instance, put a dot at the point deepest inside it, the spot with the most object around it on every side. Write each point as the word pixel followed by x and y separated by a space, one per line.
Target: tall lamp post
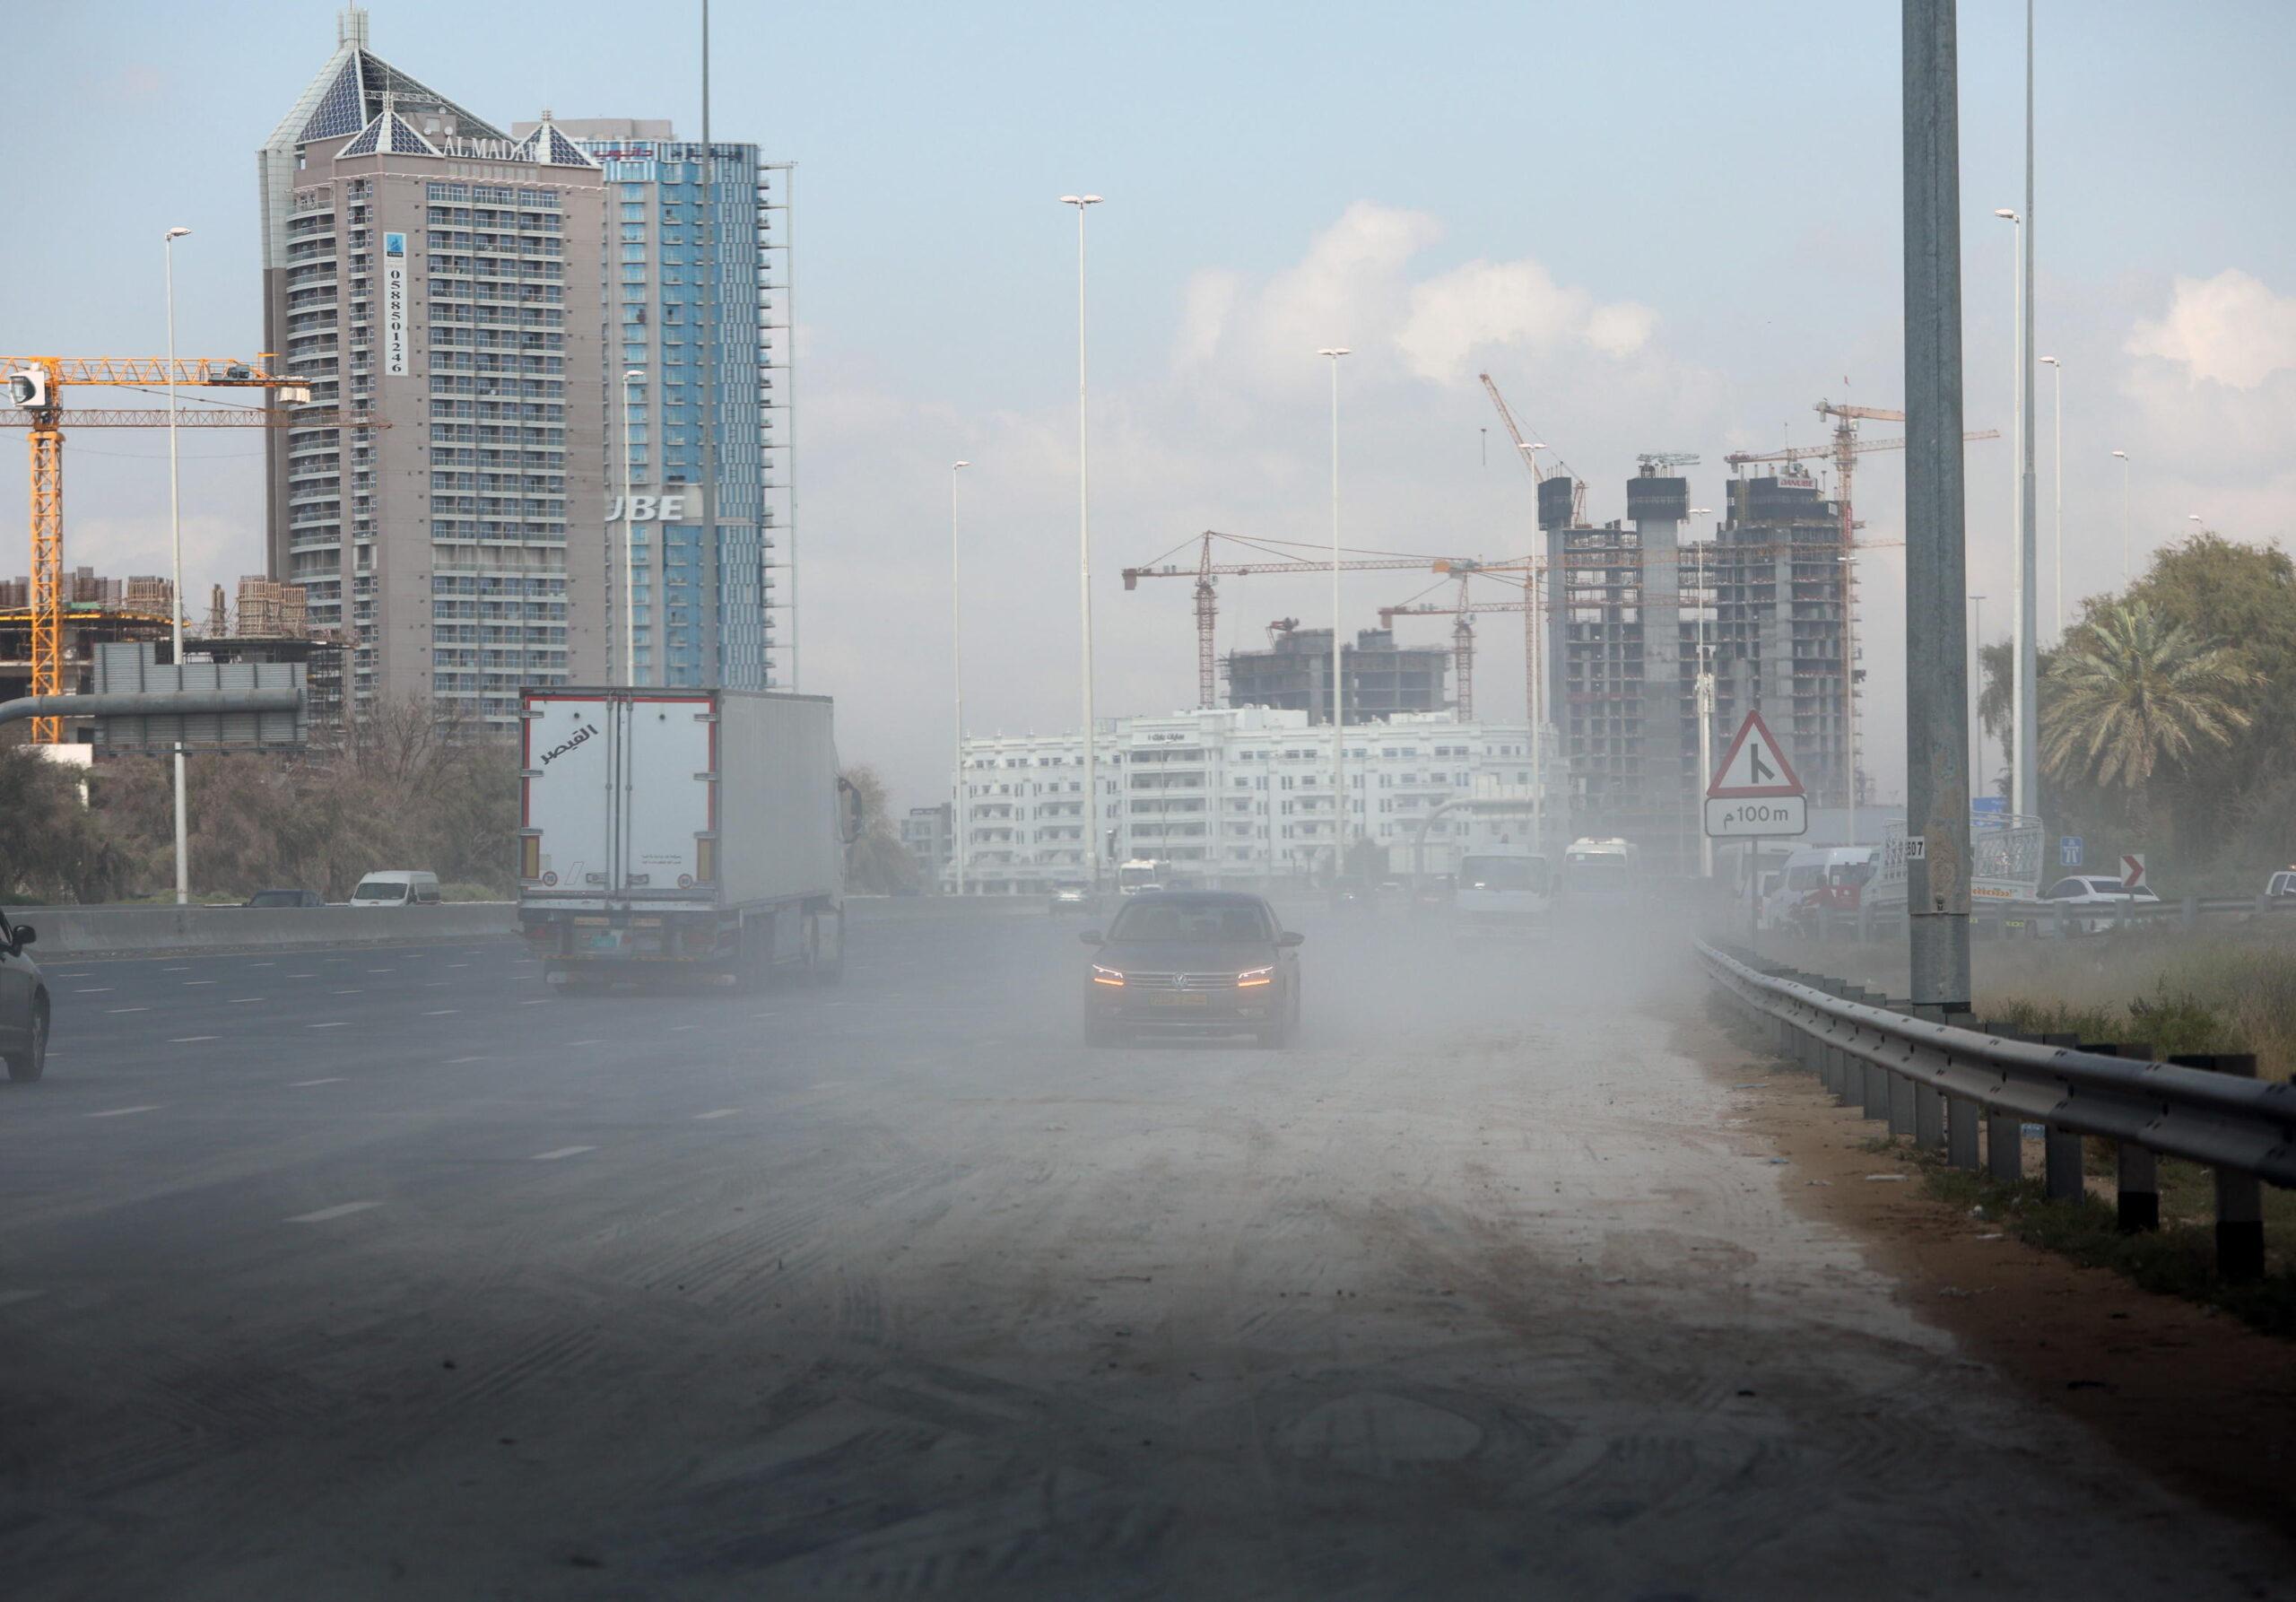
pixel 1703 702
pixel 1531 713
pixel 2057 540
pixel 957 676
pixel 175 542
pixel 1338 689
pixel 1084 553
pixel 2123 517
pixel 630 379
pixel 1976 693
pixel 2022 566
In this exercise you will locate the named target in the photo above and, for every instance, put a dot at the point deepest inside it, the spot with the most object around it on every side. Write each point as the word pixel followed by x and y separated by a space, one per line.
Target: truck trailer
pixel 681 831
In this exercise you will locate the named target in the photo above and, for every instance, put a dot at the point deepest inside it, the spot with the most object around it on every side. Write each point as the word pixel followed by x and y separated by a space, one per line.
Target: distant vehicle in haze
pixel 396 887
pixel 1142 873
pixel 1071 898
pixel 2281 884
pixel 682 832
pixel 1598 873
pixel 1196 961
pixel 285 898
pixel 23 1004
pixel 1504 889
pixel 1818 880
pixel 2106 895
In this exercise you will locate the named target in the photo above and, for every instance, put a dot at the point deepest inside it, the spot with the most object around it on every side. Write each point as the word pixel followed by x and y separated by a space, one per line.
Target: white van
pixel 396 887
pixel 1503 888
pixel 1820 879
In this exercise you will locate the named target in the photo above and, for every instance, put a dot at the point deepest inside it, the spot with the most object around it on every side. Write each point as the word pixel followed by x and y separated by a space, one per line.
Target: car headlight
pixel 1107 976
pixel 1256 976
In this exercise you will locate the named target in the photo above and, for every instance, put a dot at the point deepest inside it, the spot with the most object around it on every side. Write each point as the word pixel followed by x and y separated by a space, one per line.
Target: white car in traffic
pixel 2107 897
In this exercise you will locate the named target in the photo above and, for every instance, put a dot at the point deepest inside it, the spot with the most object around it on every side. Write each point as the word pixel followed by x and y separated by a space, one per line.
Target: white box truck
pixel 668 831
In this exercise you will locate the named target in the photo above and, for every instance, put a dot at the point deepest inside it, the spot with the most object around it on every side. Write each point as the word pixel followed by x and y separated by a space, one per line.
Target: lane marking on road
pixel 454 1061
pixel 96 990
pixel 185 1039
pixel 458 964
pixel 198 981
pixel 586 1042
pixel 564 1151
pixel 444 1011
pixel 238 1000
pixel 337 1023
pixel 434 984
pixel 351 992
pixel 271 964
pixel 682 1028
pixel 179 967
pixel 124 1111
pixel 302 976
pixel 717 1112
pixel 303 1083
pixel 10 1298
pixel 536 1001
pixel 84 974
pixel 340 1210
pixel 115 1011
pixel 382 971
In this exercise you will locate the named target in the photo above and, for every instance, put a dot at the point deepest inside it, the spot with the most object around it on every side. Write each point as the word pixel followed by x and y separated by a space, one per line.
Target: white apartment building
pixel 1236 796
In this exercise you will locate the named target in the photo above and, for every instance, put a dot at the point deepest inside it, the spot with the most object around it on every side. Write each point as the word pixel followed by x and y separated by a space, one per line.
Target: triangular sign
pixel 1756 765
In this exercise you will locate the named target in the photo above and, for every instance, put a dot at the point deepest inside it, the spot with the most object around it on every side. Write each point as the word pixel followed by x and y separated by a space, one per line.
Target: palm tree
pixel 2133 693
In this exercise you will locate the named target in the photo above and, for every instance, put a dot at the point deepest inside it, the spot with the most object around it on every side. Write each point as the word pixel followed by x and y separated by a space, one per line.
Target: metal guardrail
pixel 2051 920
pixel 1944 1081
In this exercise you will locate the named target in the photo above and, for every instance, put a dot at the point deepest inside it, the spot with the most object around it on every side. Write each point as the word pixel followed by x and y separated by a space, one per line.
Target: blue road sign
pixel 2068 850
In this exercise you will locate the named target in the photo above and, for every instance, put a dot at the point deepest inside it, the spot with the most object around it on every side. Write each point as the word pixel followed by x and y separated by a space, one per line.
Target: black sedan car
pixel 1193 962
pixel 23 1004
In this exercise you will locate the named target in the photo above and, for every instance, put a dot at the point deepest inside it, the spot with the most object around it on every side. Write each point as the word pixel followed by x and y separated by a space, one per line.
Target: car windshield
pixel 1222 922
pixel 379 889
pixel 1503 872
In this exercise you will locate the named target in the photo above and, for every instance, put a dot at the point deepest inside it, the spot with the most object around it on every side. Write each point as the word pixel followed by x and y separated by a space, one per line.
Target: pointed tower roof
pixel 389 135
pixel 547 147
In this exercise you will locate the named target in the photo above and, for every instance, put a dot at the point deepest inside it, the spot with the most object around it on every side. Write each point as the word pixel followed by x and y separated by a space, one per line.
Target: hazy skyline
pixel 1660 227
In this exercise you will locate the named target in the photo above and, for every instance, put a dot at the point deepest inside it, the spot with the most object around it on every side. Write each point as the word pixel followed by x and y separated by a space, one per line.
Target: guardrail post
pixel 2005 1134
pixel 1897 1090
pixel 1928 1102
pixel 1962 1116
pixel 1829 1055
pixel 2239 1196
pixel 2061 1156
pixel 2137 1204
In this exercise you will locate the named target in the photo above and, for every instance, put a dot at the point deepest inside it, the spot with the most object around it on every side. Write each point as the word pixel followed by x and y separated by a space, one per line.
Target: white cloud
pixel 2230 329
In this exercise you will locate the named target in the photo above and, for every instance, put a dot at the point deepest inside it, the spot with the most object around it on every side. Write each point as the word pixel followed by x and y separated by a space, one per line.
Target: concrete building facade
pixel 1383 679
pixel 1238 797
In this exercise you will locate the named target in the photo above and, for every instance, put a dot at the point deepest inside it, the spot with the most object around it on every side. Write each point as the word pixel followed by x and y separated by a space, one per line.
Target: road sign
pixel 1755 792
pixel 2068 851
pixel 2132 871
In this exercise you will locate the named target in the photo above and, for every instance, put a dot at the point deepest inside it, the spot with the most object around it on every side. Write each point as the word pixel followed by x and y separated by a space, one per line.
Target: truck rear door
pixel 665 749
pixel 571 801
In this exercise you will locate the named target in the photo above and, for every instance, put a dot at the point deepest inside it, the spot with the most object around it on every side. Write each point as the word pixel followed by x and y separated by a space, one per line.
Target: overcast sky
pixel 1662 227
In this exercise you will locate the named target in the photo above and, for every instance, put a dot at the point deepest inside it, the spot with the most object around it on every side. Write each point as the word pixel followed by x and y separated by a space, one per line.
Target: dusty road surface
pixel 379 1273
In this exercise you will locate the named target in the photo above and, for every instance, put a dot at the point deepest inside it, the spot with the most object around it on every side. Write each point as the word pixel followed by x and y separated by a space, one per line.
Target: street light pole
pixel 1702 702
pixel 957 676
pixel 1338 690
pixel 2123 517
pixel 2057 540
pixel 1084 553
pixel 175 542
pixel 634 376
pixel 1977 693
pixel 2021 567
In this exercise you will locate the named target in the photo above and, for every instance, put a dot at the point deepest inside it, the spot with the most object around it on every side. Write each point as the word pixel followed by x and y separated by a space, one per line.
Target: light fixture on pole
pixel 957 676
pixel 634 376
pixel 1084 553
pixel 2056 539
pixel 175 545
pixel 1702 701
pixel 2123 517
pixel 1338 689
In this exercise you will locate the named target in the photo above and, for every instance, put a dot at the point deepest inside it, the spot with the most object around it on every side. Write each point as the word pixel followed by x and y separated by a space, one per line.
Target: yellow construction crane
pixel 35 385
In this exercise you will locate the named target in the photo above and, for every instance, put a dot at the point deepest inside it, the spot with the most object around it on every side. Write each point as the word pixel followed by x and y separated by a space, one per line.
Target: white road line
pixel 341 1210
pixel 382 971
pixel 350 992
pixel 434 984
pixel 198 981
pixel 116 1010
pixel 454 1061
pixel 536 1001
pixel 262 965
pixel 336 1023
pixel 236 1000
pixel 96 990
pixel 84 974
pixel 719 1112
pixel 303 1084
pixel 586 1042
pixel 124 1111
pixel 564 1151
pixel 185 1039
pixel 444 1011
pixel 682 1028
pixel 10 1298
pixel 458 964
pixel 302 976
pixel 181 968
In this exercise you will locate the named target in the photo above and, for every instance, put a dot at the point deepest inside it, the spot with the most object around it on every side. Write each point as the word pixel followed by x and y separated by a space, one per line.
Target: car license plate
pixel 1184 999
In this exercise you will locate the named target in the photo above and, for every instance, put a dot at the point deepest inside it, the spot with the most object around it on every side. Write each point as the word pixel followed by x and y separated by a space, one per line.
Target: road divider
pixel 93 931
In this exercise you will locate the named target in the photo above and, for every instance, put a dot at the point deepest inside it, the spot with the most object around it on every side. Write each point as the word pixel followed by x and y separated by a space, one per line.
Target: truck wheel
pixel 26 1066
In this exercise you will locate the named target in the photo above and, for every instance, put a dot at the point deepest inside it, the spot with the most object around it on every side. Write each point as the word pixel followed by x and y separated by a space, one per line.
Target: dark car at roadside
pixel 23 1004
pixel 1193 962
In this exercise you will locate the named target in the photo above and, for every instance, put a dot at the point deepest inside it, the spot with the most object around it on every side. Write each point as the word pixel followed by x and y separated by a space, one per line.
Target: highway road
pixel 352 1274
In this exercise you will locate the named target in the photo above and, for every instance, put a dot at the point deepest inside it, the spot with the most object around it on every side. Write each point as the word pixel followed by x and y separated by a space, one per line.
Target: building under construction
pixel 1627 603
pixel 1382 678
